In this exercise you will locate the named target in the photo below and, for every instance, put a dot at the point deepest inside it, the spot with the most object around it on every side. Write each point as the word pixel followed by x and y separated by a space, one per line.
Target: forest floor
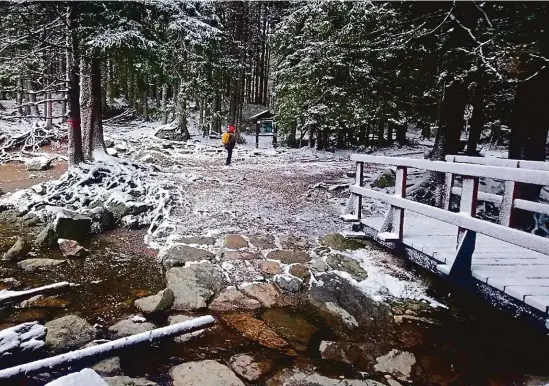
pixel 354 312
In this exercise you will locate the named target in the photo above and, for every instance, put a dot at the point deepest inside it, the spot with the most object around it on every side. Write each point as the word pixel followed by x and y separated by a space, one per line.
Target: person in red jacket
pixel 229 141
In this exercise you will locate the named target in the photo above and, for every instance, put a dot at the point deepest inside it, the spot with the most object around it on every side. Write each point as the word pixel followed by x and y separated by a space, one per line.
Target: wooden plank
pixel 514 262
pixel 521 291
pixel 501 282
pixel 541 302
pixel 528 176
pixel 400 191
pixel 513 236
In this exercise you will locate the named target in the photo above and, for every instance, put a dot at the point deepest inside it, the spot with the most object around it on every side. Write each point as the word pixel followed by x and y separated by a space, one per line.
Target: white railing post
pixel 468 204
pixel 506 210
pixel 400 191
pixel 359 178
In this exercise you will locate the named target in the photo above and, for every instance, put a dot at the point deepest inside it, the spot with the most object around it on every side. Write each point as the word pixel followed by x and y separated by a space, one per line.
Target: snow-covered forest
pixel 120 223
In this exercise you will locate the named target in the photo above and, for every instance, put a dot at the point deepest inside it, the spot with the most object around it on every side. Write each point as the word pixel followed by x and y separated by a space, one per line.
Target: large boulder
pixel 385 179
pixel 290 326
pixel 68 333
pixel 123 204
pixel 39 264
pixel 71 225
pixel 130 326
pixel 176 255
pixel 193 286
pixel 203 373
pixel 162 301
pixel 241 271
pixel 170 133
pixel 232 299
pixel 360 355
pixel 265 293
pixel 346 309
pixel 18 251
pixel 103 220
pixel 39 164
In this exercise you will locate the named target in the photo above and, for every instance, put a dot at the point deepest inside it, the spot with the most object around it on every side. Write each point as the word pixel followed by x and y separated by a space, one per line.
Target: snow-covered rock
pixel 39 264
pixel 397 363
pixel 176 255
pixel 71 248
pixel 193 286
pixel 122 204
pixel 241 271
pixel 86 377
pixel 160 302
pixel 38 164
pixel 18 251
pixel 299 270
pixel 201 373
pixel 130 326
pixel 68 333
pixel 288 283
pixel 232 299
pixel 22 338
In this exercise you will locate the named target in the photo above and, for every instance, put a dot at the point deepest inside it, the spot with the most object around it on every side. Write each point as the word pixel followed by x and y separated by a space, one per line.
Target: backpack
pixel 226 138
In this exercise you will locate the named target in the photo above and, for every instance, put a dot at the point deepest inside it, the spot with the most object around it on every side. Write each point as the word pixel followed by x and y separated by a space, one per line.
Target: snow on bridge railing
pixel 468 225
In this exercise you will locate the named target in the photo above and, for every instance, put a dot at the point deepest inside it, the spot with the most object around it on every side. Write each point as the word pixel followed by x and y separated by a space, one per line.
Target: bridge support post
pixel 464 255
pixel 359 181
pixel 506 213
pixel 468 204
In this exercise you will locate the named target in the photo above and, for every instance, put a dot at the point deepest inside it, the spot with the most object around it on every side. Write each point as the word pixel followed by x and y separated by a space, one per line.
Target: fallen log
pixel 105 349
pixel 7 296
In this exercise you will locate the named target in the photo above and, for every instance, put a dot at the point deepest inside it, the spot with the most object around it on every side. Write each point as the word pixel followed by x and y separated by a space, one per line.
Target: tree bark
pixel 86 106
pixel 73 90
pixel 381 132
pixel 98 140
pixel 164 104
pixel 19 97
pixel 182 110
pixel 401 134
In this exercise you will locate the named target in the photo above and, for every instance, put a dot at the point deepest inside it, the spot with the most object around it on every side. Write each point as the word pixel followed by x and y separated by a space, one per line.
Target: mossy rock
pixel 385 179
pixel 339 242
pixel 347 264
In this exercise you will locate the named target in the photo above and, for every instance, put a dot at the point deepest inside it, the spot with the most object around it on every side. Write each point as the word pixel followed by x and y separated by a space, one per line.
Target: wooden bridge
pixel 508 267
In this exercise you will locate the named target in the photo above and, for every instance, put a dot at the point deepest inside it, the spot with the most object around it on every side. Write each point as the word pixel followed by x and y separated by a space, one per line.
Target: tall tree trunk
pixel 98 141
pixel 390 127
pixel 62 69
pixel 164 104
pixel 111 83
pixel 477 119
pixel 34 110
pixel 206 127
pixel 381 132
pixel 401 134
pixel 182 110
pixel 145 104
pixel 311 136
pixel 73 90
pixel 19 97
pixel 86 106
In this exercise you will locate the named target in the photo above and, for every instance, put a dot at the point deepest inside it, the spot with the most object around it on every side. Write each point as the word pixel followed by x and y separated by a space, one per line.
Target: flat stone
pixel 127 327
pixel 289 256
pixel 235 242
pixel 68 333
pixel 44 302
pixel 397 363
pixel 241 271
pixel 238 255
pixel 176 255
pixel 300 271
pixel 263 241
pixel 265 293
pixel 174 319
pixel 127 381
pixel 232 299
pixel 18 251
pixel 268 267
pixel 346 264
pixel 39 264
pixel 193 286
pixel 318 265
pixel 162 301
pixel 293 242
pixel 307 376
pixel 257 331
pixel 290 325
pixel 249 368
pixel 204 373
pixel 197 240
pixel 71 249
pixel 339 242
pixel 107 367
pixel 288 283
pixel 39 164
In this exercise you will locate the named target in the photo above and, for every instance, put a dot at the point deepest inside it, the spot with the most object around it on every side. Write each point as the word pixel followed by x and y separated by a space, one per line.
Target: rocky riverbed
pixel 289 311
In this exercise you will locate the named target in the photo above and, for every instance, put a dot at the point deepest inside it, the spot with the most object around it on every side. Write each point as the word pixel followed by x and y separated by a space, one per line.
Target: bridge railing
pixel 468 225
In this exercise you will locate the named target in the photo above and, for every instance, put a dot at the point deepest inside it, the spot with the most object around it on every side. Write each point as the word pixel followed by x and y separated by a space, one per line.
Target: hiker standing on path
pixel 229 141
